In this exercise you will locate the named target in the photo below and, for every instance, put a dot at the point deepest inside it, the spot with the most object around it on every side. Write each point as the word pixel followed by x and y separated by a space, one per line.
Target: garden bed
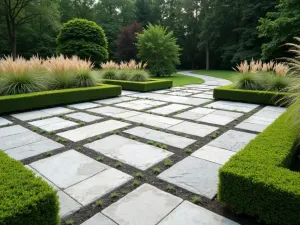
pixel 259 97
pixel 150 85
pixel 21 102
pixel 257 180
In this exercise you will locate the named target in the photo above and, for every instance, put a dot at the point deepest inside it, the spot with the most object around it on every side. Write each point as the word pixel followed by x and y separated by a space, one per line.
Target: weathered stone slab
pixel 110 101
pixel 99 219
pixel 195 114
pixel 233 106
pixel 140 104
pixel 165 110
pixel 145 205
pixel 203 95
pixel 53 124
pixel 193 129
pixel 4 122
pixel 252 126
pixel 84 105
pixel 85 117
pixel 11 130
pixel 67 204
pixel 179 93
pixel 108 110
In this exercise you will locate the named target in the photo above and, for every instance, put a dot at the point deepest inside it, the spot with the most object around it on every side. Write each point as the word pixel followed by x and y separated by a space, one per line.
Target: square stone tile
pixel 232 140
pixel 85 117
pixel 84 105
pixel 191 214
pixel 134 153
pixel 199 130
pixel 92 130
pixel 108 110
pixel 233 106
pixel 99 219
pixel 140 104
pixel 146 205
pixel 67 204
pixel 166 110
pixel 53 124
pixel 213 154
pixel 162 137
pixel 4 122
pixel 97 186
pixel 195 175
pixel 110 101
pixel 68 168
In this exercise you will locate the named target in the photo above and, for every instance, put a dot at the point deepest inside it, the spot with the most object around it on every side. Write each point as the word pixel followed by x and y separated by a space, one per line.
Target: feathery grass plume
pixel 132 64
pixel 141 65
pixel 123 65
pixel 109 65
pixel 36 63
pixel 281 69
pixel 243 67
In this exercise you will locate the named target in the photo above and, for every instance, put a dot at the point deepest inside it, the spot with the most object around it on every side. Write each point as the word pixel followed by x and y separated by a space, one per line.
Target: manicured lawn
pixel 225 74
pixel 180 80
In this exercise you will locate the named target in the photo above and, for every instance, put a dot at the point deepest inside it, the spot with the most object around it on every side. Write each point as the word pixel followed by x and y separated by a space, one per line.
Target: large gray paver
pixel 68 168
pixel 191 214
pixel 193 174
pixel 233 106
pixel 125 93
pixel 53 124
pixel 99 219
pixel 115 100
pixel 140 104
pixel 93 130
pixel 252 126
pixel 195 114
pixel 97 186
pixel 134 153
pixel 203 95
pixel 165 110
pixel 179 93
pixel 145 205
pixel 84 105
pixel 67 204
pixel 162 137
pixel 232 140
pixel 108 110
pixel 4 122
pixel 193 129
pixel 85 117
pixel 12 130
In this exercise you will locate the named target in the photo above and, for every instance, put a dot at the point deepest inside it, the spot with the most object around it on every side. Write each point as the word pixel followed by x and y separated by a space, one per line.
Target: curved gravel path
pixel 208 80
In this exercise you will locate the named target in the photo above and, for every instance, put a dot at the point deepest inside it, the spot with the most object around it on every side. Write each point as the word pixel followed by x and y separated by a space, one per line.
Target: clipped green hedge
pixel 21 102
pixel 24 198
pixel 257 180
pixel 150 85
pixel 259 97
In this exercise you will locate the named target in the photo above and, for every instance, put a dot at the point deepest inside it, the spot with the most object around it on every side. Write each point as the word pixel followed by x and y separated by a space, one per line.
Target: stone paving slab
pixel 196 129
pixel 67 204
pixel 192 91
pixel 232 140
pixel 131 152
pixel 195 175
pixel 85 117
pixel 219 118
pixel 140 104
pixel 213 154
pixel 97 186
pixel 166 110
pixel 146 205
pixel 125 93
pixel 99 219
pixel 195 114
pixel 12 130
pixel 53 124
pixel 162 91
pixel 233 106
pixel 68 168
pixel 252 126
pixel 4 122
pixel 191 214
pixel 179 93
pixel 84 105
pixel 92 130
pixel 161 137
pixel 110 101
pixel 108 110
pixel 203 95
pixel 38 114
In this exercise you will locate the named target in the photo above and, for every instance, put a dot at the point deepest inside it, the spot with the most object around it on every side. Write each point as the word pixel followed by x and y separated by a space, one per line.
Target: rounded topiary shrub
pixel 83 38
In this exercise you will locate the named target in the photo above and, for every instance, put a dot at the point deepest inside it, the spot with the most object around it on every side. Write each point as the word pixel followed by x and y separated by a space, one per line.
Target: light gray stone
pixel 165 110
pixel 233 106
pixel 252 126
pixel 53 124
pixel 68 168
pixel 216 119
pixel 125 93
pixel 93 130
pixel 84 105
pixel 191 214
pixel 195 175
pixel 213 154
pixel 195 114
pixel 162 137
pixel 179 93
pixel 85 117
pixel 162 91
pixel 193 129
pixel 67 204
pixel 203 95
pixel 146 205
pixel 192 91
pixel 108 110
pixel 232 140
pixel 140 104
pixel 12 130
pixel 97 186
pixel 110 101
pixel 4 122
pixel 134 153
pixel 99 219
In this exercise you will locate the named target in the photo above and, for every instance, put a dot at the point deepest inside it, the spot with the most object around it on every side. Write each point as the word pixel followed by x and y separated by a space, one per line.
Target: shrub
pixel 139 75
pixel 277 83
pixel 110 74
pixel 83 38
pixel 124 74
pixel 158 48
pixel 24 198
pixel 248 81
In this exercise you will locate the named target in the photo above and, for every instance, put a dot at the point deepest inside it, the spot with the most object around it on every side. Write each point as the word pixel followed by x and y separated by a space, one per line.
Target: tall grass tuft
pixel 139 75
pixel 248 81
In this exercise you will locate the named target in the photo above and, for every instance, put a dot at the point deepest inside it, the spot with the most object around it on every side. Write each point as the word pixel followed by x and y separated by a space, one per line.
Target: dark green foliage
pixel 13 103
pixel 257 180
pixel 124 74
pixel 250 96
pixel 278 83
pixel 248 82
pixel 83 38
pixel 24 198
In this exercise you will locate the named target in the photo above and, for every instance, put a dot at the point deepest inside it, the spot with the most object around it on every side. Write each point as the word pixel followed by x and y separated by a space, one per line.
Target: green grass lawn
pixel 225 74
pixel 180 80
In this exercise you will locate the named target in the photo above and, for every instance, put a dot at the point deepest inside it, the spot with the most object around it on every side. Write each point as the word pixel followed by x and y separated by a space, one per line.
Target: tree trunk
pixel 14 44
pixel 207 56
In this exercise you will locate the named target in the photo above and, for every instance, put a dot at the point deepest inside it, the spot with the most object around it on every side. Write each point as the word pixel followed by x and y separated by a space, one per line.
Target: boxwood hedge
pixel 259 97
pixel 24 198
pixel 12 103
pixel 257 180
pixel 150 85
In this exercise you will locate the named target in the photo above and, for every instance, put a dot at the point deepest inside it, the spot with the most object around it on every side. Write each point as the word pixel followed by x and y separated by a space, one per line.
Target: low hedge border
pixel 24 198
pixel 259 97
pixel 257 181
pixel 21 102
pixel 150 85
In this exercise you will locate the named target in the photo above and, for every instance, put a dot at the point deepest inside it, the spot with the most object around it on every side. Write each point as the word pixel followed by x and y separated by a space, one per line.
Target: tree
pixel 144 12
pixel 83 38
pixel 71 9
pixel 280 27
pixel 158 48
pixel 126 42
